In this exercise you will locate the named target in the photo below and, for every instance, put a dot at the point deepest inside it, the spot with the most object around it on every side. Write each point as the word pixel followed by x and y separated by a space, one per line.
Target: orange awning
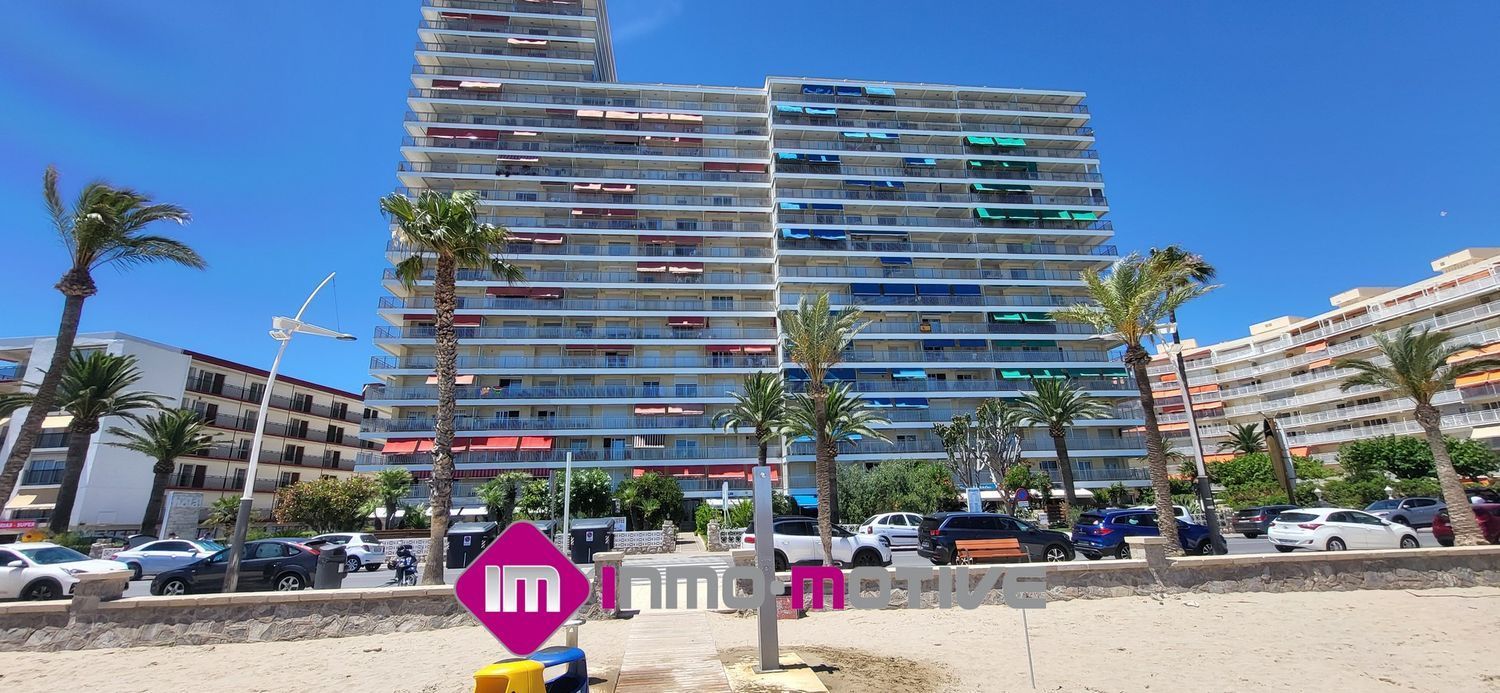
pixel 1204 406
pixel 1477 379
pixel 1201 389
pixel 536 443
pixel 687 321
pixel 1169 377
pixel 1320 363
pixel 1316 346
pixel 399 447
pixel 494 443
pixel 1490 350
pixel 1180 426
pixel 759 349
pixel 1218 458
pixel 1300 451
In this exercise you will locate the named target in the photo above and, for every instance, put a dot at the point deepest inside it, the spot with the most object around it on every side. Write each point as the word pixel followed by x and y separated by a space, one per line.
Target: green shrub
pixel 1343 493
pixel 1408 457
pixel 1418 487
pixel 72 540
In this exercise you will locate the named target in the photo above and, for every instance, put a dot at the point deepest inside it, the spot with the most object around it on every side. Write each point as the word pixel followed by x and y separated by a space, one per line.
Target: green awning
pixel 1010 141
pixel 1012 375
pixel 1085 216
pixel 1038 317
pixel 984 213
pixel 1006 317
pixel 980 141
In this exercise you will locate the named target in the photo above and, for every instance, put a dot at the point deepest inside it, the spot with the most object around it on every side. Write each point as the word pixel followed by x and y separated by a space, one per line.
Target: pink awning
pixel 685 410
pixel 399 447
pixel 650 409
pixel 687 321
pixel 457 380
pixel 496 443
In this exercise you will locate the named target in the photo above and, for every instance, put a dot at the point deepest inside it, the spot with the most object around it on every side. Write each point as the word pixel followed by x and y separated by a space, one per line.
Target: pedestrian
pixel 171 535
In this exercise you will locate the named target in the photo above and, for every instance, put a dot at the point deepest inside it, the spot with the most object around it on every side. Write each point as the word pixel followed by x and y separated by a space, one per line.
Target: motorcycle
pixel 405 565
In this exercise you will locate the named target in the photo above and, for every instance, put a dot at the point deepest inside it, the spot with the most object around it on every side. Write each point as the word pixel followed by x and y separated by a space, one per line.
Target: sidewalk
pixel 671 651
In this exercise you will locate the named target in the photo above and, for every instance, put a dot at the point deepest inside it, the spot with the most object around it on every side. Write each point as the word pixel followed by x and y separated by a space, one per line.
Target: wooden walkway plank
pixel 671 651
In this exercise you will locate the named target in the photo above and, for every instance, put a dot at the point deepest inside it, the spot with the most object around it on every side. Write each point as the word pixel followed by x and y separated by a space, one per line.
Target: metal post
pixel 1205 489
pixel 765 559
pixel 567 495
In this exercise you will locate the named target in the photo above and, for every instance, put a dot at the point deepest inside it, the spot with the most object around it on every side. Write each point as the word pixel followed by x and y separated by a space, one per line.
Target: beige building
pixel 1284 368
pixel 311 431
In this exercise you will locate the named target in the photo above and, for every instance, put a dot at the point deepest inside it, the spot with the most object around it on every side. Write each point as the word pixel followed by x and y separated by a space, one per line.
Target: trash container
pixel 467 539
pixel 330 575
pixel 591 536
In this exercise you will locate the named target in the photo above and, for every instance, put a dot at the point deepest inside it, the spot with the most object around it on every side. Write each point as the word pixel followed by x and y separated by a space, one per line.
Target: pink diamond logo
pixel 521 588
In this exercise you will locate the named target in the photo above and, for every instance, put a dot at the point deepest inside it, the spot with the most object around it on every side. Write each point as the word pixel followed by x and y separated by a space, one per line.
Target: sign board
pixel 1023 495
pixel 521 588
pixel 988 486
pixel 17 524
pixel 975 504
pixel 182 513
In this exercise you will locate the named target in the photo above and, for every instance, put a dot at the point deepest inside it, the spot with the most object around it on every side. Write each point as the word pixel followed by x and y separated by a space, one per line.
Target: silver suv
pixel 1412 512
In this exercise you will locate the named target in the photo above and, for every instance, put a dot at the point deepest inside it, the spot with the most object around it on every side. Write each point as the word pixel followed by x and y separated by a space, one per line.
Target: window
pixel 335 434
pixel 242 451
pixel 1136 520
pixel 1364 518
pixel 1340 517
pixel 1007 524
pixel 302 402
pixel 257 391
pixel 331 459
pixel 1420 502
pixel 797 528
pixel 190 475
pixel 269 549
pixel 339 410
pixel 896 520
pixel 686 448
pixel 289 478
pixel 651 388
pixel 43 472
pixel 296 428
pixel 239 478
pixel 685 389
pixel 7 557
pixel 169 546
pixel 370 414
pixel 292 454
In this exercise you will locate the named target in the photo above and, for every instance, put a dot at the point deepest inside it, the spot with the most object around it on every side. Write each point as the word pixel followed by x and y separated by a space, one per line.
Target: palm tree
pixel 500 494
pixel 448 229
pixel 761 408
pixel 1129 301
pixel 816 337
pixel 1056 404
pixel 104 228
pixel 1244 439
pixel 164 437
pixel 1419 365
pixel 391 486
pixel 843 416
pixel 223 512
pixel 94 385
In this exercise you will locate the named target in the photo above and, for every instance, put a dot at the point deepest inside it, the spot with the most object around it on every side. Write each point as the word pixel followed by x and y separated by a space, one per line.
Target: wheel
pixel 865 558
pixel 1123 552
pixel 1336 544
pixel 42 590
pixel 352 564
pixel 289 582
pixel 1401 520
pixel 1284 549
pixel 1206 547
pixel 1449 542
pixel 135 570
pixel 780 562
pixel 1055 553
pixel 174 587
pixel 372 567
pixel 1409 542
pixel 1249 535
pixel 1092 556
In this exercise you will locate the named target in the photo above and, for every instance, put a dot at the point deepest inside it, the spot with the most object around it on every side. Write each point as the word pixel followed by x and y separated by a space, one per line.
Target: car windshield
pixel 1249 512
pixel 1090 519
pixel 1296 517
pixel 1384 505
pixel 210 545
pixel 220 557
pixel 48 555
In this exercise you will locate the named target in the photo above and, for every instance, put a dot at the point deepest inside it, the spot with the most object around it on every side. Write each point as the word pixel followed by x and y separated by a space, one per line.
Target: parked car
pixel 279 564
pixel 157 557
pixel 1413 512
pixel 1181 512
pixel 897 530
pixel 40 570
pixel 1337 529
pixel 1484 494
pixel 1101 533
pixel 364 550
pixel 796 541
pixel 939 534
pixel 1488 515
pixel 1253 522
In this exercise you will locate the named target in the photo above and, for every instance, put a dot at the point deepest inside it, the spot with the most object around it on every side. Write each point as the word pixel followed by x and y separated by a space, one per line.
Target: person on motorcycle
pixel 406 565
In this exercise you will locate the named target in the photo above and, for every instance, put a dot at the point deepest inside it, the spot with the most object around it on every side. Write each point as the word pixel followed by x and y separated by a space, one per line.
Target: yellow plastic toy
pixel 514 676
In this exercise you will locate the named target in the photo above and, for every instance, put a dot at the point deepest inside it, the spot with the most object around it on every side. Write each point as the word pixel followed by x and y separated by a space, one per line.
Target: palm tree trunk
pixel 1064 465
pixel 441 484
pixel 1465 526
pixel 1156 451
pixel 824 468
pixel 75 291
pixel 80 435
pixel 390 516
pixel 151 521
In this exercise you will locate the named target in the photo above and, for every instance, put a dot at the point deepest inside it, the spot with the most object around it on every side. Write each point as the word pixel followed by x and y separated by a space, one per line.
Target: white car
pixel 796 541
pixel 39 570
pixel 364 550
pixel 897 530
pixel 154 557
pixel 1337 529
pixel 1181 512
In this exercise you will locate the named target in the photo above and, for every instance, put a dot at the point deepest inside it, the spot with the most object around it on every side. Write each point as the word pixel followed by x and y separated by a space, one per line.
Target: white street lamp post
pixel 1204 487
pixel 282 330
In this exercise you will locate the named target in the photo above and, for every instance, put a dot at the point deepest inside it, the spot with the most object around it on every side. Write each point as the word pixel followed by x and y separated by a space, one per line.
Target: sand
pixel 1435 640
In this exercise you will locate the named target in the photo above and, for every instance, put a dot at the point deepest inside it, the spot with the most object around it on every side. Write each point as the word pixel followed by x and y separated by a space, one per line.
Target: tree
pixel 329 504
pixel 1024 476
pixel 105 227
pixel 591 496
pixel 392 484
pixel 533 501
pixel 1255 468
pixel 1407 457
pixel 223 512
pixel 1056 405
pixel 446 228
pixel 500 495
pixel 919 486
pixel 1244 439
pixel 164 437
pixel 987 441
pixel 1419 365
pixel 649 499
pixel 1128 304
pixel 93 386
pixel 843 417
pixel 760 408
pixel 816 336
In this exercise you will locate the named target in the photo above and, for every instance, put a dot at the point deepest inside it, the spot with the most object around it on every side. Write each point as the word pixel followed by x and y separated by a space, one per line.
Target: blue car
pixel 1102 533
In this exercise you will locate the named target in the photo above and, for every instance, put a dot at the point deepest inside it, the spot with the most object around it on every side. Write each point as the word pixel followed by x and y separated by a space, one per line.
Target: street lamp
pixel 282 329
pixel 1205 491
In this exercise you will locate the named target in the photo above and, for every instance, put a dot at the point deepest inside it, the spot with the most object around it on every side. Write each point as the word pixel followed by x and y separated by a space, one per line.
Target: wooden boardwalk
pixel 670 651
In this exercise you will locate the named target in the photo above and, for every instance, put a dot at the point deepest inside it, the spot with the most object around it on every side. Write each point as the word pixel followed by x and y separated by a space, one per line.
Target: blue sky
pixel 1303 147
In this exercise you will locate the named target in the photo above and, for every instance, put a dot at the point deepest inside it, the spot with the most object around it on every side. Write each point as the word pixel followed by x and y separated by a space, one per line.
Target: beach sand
pixel 1434 640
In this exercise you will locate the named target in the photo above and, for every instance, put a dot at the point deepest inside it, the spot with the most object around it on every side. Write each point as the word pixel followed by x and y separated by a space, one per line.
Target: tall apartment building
pixel 662 227
pixel 311 431
pixel 1284 368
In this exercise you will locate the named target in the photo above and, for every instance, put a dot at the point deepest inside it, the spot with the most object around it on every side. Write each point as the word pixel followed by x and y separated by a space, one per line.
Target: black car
pixel 938 533
pixel 1253 522
pixel 278 564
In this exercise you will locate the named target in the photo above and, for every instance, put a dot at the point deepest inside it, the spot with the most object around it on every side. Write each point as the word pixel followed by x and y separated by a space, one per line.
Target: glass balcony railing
pixel 471 47
pixel 795 121
pixel 516 392
pixel 621 250
pixel 870 356
pixel 581 172
pixel 932 386
pixel 970 103
pixel 676 226
pixel 524 197
pixel 631 150
pixel 1028 444
pixel 881 327
pixel 680 128
pixel 903 247
pixel 898 147
pixel 545 423
pixel 791 298
pixel 604 362
pixel 596 304
pixel 571 31
pixel 997 275
pixel 911 196
pixel 937 171
pixel 536 277
pixel 557 8
pixel 796 218
pixel 625 100
pixel 613 333
pixel 579 456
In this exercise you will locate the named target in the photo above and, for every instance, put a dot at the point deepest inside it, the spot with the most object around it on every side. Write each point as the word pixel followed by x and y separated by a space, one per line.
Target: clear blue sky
pixel 1303 147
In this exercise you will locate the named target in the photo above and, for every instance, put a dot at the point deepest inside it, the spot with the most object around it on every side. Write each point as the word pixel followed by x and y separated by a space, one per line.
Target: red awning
pixel 720 166
pixel 678 240
pixel 546 292
pixel 399 447
pixel 422 317
pixel 678 267
pixel 424 445
pixel 687 321
pixel 724 349
pixel 509 291
pixel 463 133
pixel 469 320
pixel 497 443
pixel 685 410
pixel 762 349
pixel 536 443
pixel 650 266
pixel 650 409
pixel 533 237
pixel 457 380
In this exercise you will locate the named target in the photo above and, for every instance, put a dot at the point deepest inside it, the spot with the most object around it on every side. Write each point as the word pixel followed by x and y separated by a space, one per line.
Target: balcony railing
pixel 572 333
pixel 245 423
pixel 674 225
pixel 222 483
pixel 207 387
pixel 898 147
pixel 965 103
pixel 913 196
pixel 1040 444
pixel 524 197
pixel 607 362
pixel 595 304
pixel 1452 421
pixel 536 169
pixel 545 423
pixel 794 218
pixel 796 121
pixel 574 31
pixel 510 392
pixel 607 277
pixel 984 328
pixel 790 299
pixel 564 9
pixel 1104 474
pixel 678 127
pixel 908 272
pixel 629 150
pixel 961 386
pixel 1107 252
pixel 562 74
pixel 469 47
pixel 584 456
pixel 936 171
pixel 757 108
pixel 973 356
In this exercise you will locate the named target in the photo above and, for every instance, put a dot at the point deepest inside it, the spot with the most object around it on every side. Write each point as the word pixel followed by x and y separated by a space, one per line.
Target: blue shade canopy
pixel 895 261
pixel 880 91
pixel 795 233
pixel 830 234
pixel 878 402
pixel 783 108
pixel 817 89
pixel 805 500
pixel 967 290
pixel 851 91
pixel 910 374
pixel 934 289
pixel 864 289
pixel 912 161
pixel 820 111
pixel 937 343
pixel 900 290
pixel 971 343
pixel 911 403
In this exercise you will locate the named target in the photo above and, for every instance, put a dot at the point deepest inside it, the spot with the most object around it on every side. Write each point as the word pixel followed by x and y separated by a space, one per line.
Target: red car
pixel 1488 515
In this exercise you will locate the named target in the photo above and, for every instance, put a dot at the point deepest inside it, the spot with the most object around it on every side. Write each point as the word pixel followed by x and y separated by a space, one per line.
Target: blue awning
pixel 795 233
pixel 820 111
pixel 967 290
pixel 802 439
pixel 855 436
pixel 858 182
pixel 822 158
pixel 854 134
pixel 864 289
pixel 911 403
pixel 894 234
pixel 880 91
pixel 825 206
pixel 971 343
pixel 895 184
pixel 839 374
pixel 851 91
pixel 830 235
pixel 817 89
pixel 870 371
pixel 900 290
pixel 793 205
pixel 910 374
pixel 885 136
pixel 783 108
pixel 805 500
pixel 934 289
pixel 895 261
pixel 937 343
pixel 796 374
pixel 788 156
pixel 910 161
pixel 878 402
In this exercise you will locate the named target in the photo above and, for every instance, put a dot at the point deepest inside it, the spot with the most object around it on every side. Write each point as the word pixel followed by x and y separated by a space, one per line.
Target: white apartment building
pixel 311 431
pixel 662 226
pixel 1284 368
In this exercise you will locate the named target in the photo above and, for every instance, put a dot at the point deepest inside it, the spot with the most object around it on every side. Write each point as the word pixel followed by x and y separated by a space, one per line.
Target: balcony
pixel 928 329
pixel 572 32
pixel 11 373
pixel 549 52
pixel 898 147
pixel 789 300
pixel 595 278
pixel 1450 422
pixel 1081 474
pixel 616 424
pixel 1076 443
pixel 574 147
pixel 796 121
pixel 679 128
pixel 564 9
pixel 245 423
pixel 679 226
pixel 552 305
pixel 913 196
pixel 574 334
pixel 582 172
pixel 533 457
pixel 751 108
pixel 969 103
pixel 861 356
pixel 933 386
pixel 517 392
pixel 521 197
pixel 221 483
pixel 796 218
pixel 789 274
pixel 605 362
pixel 935 171
pixel 1102 252
pixel 206 386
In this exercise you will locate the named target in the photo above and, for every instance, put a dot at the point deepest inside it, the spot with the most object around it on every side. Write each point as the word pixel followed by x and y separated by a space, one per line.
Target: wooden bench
pixel 970 550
